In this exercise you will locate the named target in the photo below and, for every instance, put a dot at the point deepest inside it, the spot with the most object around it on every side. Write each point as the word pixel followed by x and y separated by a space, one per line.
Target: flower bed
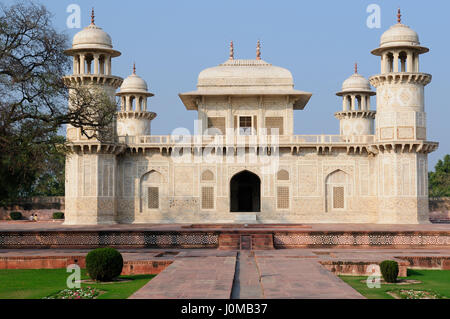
pixel 80 293
pixel 414 294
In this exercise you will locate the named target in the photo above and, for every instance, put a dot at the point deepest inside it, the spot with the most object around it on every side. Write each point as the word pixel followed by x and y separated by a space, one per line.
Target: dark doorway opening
pixel 245 192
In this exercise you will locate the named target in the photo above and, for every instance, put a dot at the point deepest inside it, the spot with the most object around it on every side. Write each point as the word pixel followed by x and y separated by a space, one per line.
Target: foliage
pixel 439 180
pixel 15 215
pixel 80 293
pixel 58 215
pixel 389 270
pixel 104 264
pixel 40 283
pixel 416 294
pixel 33 103
pixel 431 280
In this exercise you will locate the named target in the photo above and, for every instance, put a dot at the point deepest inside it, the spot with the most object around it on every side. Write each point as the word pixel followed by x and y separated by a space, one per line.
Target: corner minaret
pixel 92 52
pixel 400 86
pixel 134 119
pixel 400 128
pixel 356 118
pixel 91 167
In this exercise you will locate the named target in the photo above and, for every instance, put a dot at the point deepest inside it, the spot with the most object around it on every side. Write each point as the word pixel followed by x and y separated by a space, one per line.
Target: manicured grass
pixel 40 283
pixel 437 281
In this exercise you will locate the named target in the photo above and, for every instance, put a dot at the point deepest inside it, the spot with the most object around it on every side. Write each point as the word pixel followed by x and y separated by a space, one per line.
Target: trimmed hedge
pixel 15 215
pixel 58 215
pixel 104 264
pixel 389 270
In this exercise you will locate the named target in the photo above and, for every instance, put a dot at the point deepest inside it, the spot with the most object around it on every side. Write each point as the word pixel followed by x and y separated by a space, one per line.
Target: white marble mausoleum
pixel 244 163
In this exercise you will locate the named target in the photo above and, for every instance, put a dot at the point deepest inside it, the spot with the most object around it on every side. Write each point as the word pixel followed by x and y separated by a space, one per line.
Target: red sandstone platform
pixel 43 226
pixel 226 236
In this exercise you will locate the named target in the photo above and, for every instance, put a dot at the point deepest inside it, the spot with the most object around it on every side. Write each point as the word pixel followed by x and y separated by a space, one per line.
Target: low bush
pixel 104 264
pixel 389 270
pixel 15 215
pixel 58 215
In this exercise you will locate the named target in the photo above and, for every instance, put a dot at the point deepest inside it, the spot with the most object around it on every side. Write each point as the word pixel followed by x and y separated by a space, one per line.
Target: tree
pixel 439 180
pixel 33 99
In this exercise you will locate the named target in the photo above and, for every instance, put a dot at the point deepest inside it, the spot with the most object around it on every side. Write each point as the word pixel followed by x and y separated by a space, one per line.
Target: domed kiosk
pixel 133 118
pixel 356 118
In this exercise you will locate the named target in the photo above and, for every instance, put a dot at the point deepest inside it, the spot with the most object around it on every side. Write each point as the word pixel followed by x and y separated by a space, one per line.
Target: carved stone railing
pixel 231 140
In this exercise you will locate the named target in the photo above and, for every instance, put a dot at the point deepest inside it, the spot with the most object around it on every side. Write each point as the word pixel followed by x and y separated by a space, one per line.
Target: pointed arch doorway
pixel 245 192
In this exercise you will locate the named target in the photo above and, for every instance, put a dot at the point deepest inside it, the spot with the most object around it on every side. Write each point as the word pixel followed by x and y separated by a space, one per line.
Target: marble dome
pixel 134 84
pixel 399 35
pixel 92 37
pixel 245 73
pixel 356 82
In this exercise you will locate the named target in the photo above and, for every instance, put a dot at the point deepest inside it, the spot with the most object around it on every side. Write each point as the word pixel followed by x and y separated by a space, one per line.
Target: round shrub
pixel 58 215
pixel 389 270
pixel 15 215
pixel 104 264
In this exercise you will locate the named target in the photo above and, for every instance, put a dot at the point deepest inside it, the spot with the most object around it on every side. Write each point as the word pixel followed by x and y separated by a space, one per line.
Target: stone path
pixel 246 279
pixel 266 276
pixel 301 279
pixel 192 278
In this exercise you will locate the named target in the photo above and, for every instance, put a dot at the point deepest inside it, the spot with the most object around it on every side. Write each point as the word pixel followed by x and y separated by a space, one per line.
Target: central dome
pixel 92 37
pixel 245 73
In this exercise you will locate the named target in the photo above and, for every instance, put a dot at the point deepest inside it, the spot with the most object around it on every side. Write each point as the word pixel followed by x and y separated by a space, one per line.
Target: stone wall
pixel 44 207
pixel 440 209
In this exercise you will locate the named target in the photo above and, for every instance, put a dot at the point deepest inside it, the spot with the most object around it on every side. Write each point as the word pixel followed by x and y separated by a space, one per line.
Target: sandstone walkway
pixel 244 276
pixel 301 279
pixel 192 278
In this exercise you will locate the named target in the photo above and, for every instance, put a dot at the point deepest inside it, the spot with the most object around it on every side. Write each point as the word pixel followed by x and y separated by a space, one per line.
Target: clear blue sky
pixel 318 41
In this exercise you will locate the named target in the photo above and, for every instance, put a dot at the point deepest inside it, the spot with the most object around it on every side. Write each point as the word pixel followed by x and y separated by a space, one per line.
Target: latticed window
pixel 245 125
pixel 153 197
pixel 245 121
pixel 273 123
pixel 217 123
pixel 338 197
pixel 282 197
pixel 207 197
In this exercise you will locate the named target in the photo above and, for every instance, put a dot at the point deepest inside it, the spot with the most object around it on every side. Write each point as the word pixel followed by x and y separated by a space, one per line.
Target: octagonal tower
pixel 400 136
pixel 91 167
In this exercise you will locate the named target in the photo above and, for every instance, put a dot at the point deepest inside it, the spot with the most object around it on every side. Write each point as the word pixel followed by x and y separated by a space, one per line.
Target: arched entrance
pixel 245 192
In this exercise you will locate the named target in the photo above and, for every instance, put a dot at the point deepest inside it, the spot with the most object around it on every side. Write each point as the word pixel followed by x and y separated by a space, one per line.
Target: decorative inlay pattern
pixel 361 239
pixel 108 238
pixel 183 203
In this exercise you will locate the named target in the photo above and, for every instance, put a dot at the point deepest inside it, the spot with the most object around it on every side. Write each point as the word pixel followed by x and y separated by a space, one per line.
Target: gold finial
pixel 134 68
pixel 399 16
pixel 356 67
pixel 92 16
pixel 258 50
pixel 231 51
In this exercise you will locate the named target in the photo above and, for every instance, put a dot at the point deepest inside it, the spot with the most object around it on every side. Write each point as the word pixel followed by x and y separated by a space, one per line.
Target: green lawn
pixel 40 283
pixel 437 281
